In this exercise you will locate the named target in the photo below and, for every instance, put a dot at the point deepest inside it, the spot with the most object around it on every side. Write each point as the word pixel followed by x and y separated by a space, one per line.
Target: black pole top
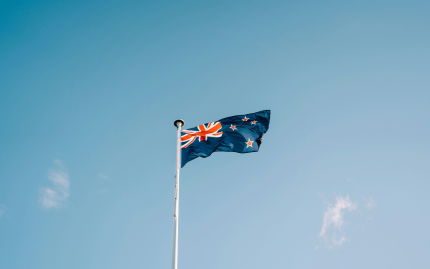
pixel 177 122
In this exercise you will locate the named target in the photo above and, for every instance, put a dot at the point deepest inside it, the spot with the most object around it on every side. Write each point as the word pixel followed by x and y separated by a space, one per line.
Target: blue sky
pixel 89 91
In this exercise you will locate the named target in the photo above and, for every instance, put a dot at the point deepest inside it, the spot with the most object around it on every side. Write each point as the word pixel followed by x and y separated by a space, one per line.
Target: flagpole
pixel 178 123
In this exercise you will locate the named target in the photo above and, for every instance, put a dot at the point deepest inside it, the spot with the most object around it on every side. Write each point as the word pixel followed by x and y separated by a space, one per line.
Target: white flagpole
pixel 178 124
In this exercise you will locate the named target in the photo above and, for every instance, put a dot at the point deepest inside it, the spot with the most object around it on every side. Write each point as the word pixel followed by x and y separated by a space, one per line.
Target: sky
pixel 89 91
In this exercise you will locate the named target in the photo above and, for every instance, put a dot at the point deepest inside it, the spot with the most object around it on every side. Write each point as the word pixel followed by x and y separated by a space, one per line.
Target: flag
pixel 242 134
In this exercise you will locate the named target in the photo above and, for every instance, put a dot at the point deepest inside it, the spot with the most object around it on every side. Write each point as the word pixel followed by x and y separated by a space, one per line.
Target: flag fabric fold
pixel 242 134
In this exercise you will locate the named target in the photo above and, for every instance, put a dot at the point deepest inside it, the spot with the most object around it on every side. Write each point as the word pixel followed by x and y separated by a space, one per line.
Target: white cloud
pixel 2 209
pixel 56 195
pixel 60 164
pixel 369 203
pixel 333 219
pixel 100 175
pixel 339 241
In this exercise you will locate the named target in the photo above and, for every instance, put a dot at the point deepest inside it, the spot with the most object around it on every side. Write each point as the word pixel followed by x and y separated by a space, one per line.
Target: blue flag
pixel 241 134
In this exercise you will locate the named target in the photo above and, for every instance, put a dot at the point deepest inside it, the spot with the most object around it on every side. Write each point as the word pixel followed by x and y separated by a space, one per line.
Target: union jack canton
pixel 242 134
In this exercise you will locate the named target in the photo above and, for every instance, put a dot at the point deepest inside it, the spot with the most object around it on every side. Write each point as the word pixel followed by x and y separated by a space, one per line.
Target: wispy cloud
pixel 100 175
pixel 333 220
pixel 369 203
pixel 338 242
pixel 56 195
pixel 2 210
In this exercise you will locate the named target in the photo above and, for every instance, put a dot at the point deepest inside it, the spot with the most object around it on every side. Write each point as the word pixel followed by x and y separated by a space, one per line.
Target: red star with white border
pixel 253 122
pixel 249 143
pixel 245 119
pixel 233 127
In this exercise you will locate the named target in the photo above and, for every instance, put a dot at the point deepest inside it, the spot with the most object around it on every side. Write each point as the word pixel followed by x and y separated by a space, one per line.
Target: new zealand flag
pixel 241 134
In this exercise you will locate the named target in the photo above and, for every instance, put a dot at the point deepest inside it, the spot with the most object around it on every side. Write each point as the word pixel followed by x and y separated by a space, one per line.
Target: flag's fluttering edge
pixel 241 134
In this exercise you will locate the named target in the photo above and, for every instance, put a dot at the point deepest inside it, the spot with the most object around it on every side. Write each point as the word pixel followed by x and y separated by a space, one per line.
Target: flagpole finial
pixel 179 123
